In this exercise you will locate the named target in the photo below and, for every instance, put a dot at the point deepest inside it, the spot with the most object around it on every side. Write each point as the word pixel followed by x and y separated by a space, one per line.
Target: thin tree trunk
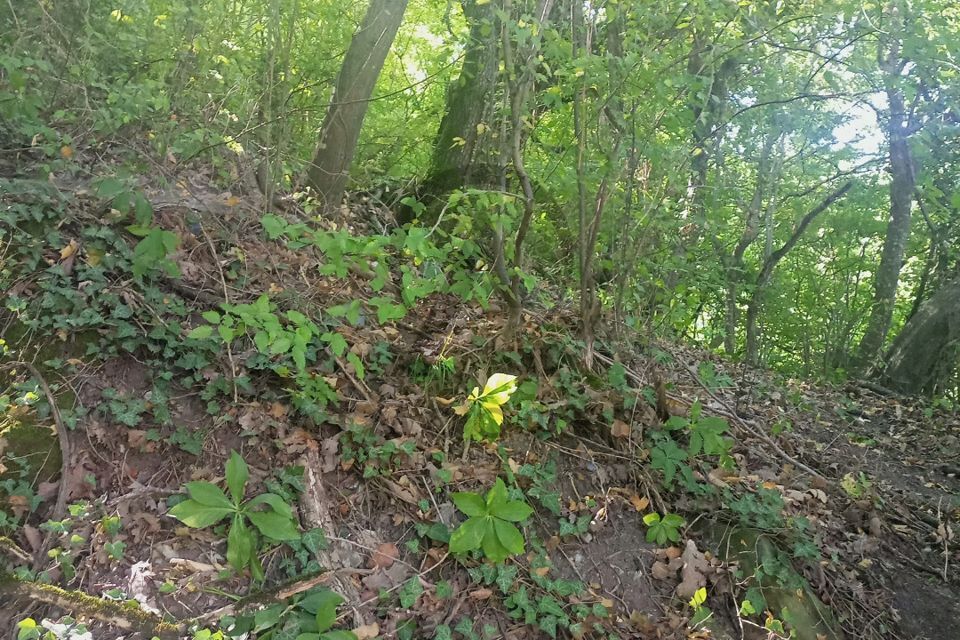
pixel 902 186
pixel 753 308
pixel 751 231
pixel 330 169
pixel 519 82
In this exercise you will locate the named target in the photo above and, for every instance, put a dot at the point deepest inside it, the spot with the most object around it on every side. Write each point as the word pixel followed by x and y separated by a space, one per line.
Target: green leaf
pixel 237 475
pixel 209 494
pixel 211 316
pixel 196 515
pixel 275 226
pixel 338 344
pixel 324 604
pixel 353 359
pixel 202 332
pixel 493 549
pixel 469 535
pixel 240 544
pixel 275 502
pixel 508 535
pixel 470 503
pixel 274 526
pixel 338 635
pixel 280 345
pixel 512 510
pixel 497 495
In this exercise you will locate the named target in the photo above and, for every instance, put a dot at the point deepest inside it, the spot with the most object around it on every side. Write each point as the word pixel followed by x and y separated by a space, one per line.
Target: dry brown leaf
pixel 693 575
pixel 384 556
pixel 278 410
pixel 620 429
pixel 661 571
pixel 367 631
pixel 481 594
pixel 639 503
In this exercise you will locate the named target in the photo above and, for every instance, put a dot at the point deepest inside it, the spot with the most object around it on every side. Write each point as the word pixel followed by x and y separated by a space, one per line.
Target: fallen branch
pixel 116 614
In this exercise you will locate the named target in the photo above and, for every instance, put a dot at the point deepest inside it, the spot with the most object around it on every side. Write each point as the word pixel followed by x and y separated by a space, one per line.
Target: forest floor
pixel 848 497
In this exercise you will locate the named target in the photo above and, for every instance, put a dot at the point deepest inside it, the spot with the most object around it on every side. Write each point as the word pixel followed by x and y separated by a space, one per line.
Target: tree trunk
pixel 926 351
pixel 457 151
pixel 751 231
pixel 902 185
pixel 330 170
pixel 753 307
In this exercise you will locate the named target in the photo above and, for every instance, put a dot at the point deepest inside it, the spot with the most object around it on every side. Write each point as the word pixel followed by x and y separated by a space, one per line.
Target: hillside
pixel 846 496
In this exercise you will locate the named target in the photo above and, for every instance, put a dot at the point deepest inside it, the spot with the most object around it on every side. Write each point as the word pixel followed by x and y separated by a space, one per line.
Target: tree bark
pixel 902 186
pixel 926 351
pixel 457 151
pixel 330 169
pixel 751 231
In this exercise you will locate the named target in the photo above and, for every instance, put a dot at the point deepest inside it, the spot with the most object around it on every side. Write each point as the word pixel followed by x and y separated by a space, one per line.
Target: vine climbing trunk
pixel 330 169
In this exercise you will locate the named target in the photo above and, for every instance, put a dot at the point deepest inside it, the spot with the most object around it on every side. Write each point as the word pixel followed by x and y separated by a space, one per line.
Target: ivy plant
pixel 268 513
pixel 489 526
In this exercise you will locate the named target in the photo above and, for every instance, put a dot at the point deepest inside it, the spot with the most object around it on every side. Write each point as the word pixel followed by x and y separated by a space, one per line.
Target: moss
pixel 31 447
pixel 808 616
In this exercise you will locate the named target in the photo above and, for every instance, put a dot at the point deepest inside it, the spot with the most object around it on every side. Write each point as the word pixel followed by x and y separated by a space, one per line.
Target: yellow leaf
pixel 496 413
pixel 499 388
pixel 66 152
pixel 69 250
pixel 232 201
pixel 699 598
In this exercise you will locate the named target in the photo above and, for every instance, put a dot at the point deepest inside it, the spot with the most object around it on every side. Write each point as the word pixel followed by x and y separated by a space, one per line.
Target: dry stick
pixel 226 300
pixel 728 412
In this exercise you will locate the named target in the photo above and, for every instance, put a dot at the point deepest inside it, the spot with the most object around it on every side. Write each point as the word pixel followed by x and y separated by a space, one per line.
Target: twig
pixel 377 597
pixel 226 300
pixel 63 437
pixel 361 387
pixel 13 550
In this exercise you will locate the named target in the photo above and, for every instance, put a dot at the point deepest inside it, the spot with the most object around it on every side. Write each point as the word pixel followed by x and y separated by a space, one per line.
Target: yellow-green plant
pixel 484 408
